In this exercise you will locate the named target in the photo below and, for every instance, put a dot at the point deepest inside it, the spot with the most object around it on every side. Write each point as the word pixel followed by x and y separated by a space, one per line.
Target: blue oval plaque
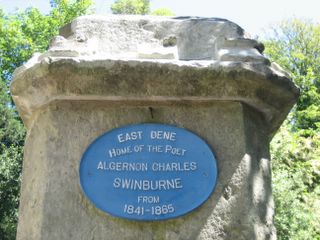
pixel 148 172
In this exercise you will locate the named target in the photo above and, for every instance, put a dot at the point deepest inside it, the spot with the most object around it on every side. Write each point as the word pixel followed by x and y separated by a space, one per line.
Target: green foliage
pixel 11 135
pixel 30 31
pixel 131 7
pixel 295 150
pixel 64 11
pixel 163 12
pixel 138 7
pixel 295 45
pixel 10 168
pixel 296 177
pixel 21 35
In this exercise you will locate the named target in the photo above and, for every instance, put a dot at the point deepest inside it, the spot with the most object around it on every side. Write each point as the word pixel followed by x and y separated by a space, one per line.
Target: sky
pixel 252 15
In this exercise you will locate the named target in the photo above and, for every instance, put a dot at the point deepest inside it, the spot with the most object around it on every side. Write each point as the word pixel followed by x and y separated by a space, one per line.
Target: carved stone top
pixel 143 60
pixel 145 37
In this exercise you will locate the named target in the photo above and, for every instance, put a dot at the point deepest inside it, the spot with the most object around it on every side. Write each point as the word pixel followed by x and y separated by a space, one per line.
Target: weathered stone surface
pixel 195 73
pixel 114 47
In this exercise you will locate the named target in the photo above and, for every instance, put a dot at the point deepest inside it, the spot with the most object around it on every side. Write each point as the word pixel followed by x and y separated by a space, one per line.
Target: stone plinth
pixel 201 74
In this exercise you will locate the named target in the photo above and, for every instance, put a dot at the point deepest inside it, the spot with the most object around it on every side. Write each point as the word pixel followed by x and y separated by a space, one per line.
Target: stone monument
pixel 201 76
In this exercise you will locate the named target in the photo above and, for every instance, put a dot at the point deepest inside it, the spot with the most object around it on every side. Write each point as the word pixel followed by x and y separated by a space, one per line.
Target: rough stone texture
pixel 202 74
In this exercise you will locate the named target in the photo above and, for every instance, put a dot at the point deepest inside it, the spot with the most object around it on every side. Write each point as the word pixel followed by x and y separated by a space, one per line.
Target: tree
pixel 138 7
pixel 162 12
pixel 296 190
pixel 295 45
pixel 12 136
pixel 21 35
pixel 131 7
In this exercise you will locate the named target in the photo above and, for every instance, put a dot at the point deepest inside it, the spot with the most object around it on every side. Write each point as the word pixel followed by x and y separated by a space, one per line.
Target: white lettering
pixel 114 152
pixel 100 165
pixel 138 148
pixel 171 136
pixel 123 137
pixel 147 185
pixel 123 166
pixel 116 182
pixel 175 150
pixel 173 166
pixel 155 148
pixel 148 199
